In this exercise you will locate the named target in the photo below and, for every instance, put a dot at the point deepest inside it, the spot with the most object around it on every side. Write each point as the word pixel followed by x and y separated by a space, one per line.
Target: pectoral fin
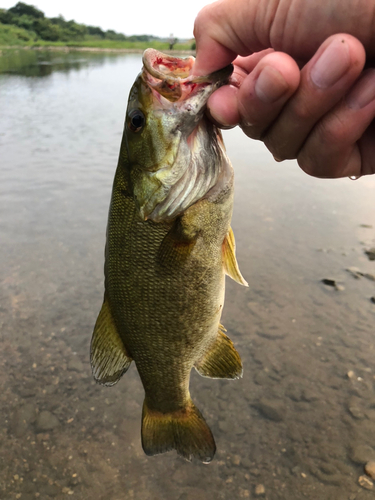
pixel 222 360
pixel 176 247
pixel 109 359
pixel 229 259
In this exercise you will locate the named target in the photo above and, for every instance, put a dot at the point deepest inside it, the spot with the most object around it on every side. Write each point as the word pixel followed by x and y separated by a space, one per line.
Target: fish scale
pixel 166 261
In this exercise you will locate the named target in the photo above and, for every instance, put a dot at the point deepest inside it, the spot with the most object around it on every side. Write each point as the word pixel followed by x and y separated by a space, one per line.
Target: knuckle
pixel 332 132
pixel 302 113
pixel 252 130
pixel 281 148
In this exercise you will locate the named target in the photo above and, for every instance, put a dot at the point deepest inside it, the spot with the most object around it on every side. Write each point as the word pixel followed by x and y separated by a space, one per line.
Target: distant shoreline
pixel 65 48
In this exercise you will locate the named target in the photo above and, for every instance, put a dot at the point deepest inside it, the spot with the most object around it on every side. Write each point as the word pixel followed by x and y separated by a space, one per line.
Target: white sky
pixel 131 17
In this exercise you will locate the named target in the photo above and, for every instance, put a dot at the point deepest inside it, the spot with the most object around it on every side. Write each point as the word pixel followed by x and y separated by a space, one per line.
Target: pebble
pixel 365 482
pixel 370 469
pixel 355 411
pixel 329 281
pixel 333 283
pixel 355 272
pixel 260 489
pixel 23 417
pixel 370 253
pixel 244 493
pixel 46 421
pixel 246 463
pixel 373 299
pixel 362 454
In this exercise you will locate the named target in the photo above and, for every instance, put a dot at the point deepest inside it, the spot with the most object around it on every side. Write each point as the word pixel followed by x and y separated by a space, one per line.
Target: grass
pixel 11 35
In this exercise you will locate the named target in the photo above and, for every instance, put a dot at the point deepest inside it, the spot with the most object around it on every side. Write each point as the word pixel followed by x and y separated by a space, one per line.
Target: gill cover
pixel 174 154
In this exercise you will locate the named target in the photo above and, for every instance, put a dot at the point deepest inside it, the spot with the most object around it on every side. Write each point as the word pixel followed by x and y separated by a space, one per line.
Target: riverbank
pixel 67 49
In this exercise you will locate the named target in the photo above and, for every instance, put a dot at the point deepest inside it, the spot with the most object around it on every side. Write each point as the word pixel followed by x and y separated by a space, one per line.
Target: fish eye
pixel 136 120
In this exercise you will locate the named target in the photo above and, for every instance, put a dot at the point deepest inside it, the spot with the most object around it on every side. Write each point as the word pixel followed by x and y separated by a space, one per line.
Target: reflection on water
pixel 44 62
pixel 301 422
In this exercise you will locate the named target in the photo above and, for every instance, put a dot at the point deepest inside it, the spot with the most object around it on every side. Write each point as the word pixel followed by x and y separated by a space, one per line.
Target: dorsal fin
pixel 109 359
pixel 229 259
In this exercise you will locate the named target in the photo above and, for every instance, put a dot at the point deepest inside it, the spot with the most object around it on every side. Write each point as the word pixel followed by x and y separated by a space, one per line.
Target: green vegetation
pixel 26 25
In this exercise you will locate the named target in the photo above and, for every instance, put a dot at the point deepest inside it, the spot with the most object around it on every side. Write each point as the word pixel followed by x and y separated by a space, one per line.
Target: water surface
pixel 301 422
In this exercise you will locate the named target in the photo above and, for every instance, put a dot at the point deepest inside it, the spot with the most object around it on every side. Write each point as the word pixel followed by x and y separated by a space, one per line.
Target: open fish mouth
pixel 195 154
pixel 171 76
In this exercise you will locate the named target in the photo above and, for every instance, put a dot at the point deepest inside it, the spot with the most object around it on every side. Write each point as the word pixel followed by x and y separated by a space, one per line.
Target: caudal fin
pixel 184 430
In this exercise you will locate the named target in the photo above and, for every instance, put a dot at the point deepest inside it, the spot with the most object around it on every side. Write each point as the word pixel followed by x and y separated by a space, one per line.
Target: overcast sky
pixel 132 17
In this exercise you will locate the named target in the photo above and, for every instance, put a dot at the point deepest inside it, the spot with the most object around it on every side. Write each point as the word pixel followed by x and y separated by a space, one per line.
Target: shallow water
pixel 301 422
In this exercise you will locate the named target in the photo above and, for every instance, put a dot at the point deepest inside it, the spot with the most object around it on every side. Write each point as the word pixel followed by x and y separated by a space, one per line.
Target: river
pixel 301 421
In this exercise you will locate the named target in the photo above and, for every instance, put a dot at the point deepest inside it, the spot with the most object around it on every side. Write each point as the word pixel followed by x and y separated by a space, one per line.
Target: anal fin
pixel 229 259
pixel 109 359
pixel 222 360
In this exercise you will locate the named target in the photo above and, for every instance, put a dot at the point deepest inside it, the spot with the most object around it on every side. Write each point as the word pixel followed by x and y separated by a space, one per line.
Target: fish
pixel 169 246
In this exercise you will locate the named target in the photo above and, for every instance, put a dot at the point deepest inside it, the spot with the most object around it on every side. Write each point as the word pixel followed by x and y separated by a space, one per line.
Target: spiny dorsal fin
pixel 109 359
pixel 221 360
pixel 229 259
pixel 184 430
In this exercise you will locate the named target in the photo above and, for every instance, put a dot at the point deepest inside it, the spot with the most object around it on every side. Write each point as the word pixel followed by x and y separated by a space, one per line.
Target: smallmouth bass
pixel 169 246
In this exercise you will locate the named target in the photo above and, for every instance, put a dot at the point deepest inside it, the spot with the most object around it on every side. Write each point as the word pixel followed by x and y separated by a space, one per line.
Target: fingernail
pixel 363 92
pixel 331 65
pixel 270 85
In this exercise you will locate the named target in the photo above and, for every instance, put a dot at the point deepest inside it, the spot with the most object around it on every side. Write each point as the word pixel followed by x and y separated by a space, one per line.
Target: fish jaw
pixel 178 158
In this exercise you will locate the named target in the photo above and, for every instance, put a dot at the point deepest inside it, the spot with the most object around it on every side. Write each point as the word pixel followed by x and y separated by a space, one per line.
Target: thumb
pixel 225 29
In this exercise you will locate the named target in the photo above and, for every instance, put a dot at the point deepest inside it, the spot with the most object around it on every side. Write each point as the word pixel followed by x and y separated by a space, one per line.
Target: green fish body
pixel 169 246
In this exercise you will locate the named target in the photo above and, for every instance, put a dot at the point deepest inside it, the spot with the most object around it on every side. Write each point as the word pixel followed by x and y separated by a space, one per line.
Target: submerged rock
pixel 22 419
pixel 329 282
pixel 272 410
pixel 333 283
pixel 355 272
pixel 46 421
pixel 365 482
pixel 370 253
pixel 370 469
pixel 361 454
pixel 260 489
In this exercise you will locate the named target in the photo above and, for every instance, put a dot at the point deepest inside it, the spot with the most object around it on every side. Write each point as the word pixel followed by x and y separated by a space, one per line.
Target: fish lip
pixel 171 76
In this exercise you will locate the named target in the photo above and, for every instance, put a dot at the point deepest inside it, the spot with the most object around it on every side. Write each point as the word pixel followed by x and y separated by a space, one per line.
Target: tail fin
pixel 184 430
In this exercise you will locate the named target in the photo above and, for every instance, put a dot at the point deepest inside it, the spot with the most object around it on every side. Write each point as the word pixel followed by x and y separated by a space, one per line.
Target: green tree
pixel 6 17
pixel 46 30
pixel 21 9
pixel 95 31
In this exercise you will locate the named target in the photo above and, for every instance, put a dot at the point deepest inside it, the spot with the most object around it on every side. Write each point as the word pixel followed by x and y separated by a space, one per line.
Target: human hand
pixel 320 115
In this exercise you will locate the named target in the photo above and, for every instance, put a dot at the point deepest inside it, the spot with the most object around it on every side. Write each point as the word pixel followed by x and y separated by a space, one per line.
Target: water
pixel 301 422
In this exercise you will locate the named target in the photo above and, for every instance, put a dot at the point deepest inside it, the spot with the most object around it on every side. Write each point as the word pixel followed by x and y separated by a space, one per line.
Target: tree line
pixel 57 28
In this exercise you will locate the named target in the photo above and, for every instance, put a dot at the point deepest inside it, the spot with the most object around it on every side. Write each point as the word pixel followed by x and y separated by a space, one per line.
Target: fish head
pixel 174 153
